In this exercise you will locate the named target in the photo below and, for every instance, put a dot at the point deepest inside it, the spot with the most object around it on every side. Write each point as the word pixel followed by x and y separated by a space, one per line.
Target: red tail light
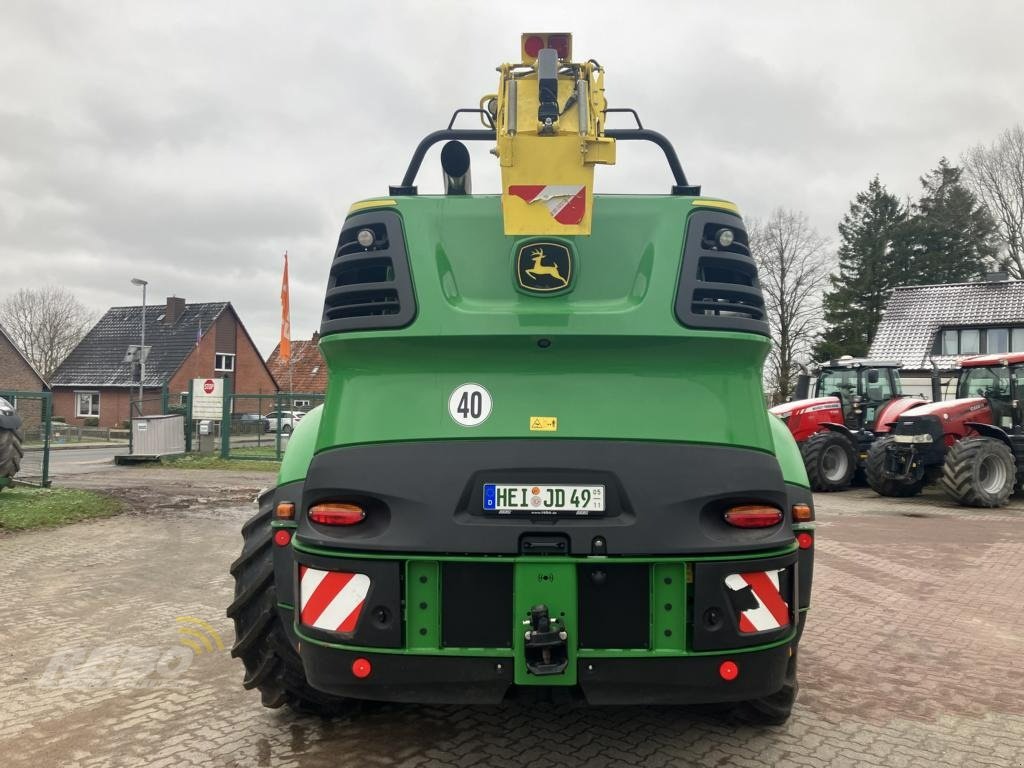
pixel 335 513
pixel 753 516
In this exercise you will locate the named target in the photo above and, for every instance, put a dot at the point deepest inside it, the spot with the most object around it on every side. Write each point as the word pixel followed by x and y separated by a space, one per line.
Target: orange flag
pixel 286 323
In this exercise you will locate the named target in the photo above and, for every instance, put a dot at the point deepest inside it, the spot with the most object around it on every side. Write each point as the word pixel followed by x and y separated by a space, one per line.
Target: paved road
pixel 912 655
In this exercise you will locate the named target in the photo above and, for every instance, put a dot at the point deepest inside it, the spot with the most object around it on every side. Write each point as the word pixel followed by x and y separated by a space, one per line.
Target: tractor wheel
pixel 271 663
pixel 830 459
pixel 11 453
pixel 875 470
pixel 775 708
pixel 979 472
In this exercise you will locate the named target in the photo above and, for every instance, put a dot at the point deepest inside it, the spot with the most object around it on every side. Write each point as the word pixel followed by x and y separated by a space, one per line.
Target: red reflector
pixel 561 45
pixel 805 540
pixel 533 45
pixel 282 538
pixel 753 516
pixel 729 671
pixel 333 513
pixel 361 668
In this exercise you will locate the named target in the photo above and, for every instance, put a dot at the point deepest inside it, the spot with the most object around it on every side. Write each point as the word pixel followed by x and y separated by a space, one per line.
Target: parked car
pixel 247 423
pixel 287 420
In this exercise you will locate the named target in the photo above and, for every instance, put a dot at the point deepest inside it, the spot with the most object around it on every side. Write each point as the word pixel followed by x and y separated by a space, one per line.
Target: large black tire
pixel 11 453
pixel 874 468
pixel 775 708
pixel 979 472
pixel 272 665
pixel 831 460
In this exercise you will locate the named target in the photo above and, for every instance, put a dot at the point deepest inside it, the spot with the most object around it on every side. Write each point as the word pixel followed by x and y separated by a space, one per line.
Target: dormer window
pixel 953 342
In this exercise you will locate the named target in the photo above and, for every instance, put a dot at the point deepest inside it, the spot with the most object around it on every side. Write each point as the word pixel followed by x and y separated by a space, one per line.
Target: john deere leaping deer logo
pixel 544 267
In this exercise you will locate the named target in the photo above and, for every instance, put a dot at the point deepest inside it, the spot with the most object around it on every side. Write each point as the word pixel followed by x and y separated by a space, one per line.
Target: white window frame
pixel 78 404
pixel 300 403
pixel 224 357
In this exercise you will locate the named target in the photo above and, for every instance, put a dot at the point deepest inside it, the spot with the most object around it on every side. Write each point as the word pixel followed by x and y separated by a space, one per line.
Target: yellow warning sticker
pixel 543 423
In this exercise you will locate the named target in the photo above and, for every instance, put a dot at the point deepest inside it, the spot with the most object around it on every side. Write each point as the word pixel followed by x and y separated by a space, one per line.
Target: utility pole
pixel 142 344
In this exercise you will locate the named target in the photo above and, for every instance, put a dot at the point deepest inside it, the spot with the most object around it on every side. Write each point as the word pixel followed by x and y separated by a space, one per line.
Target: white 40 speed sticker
pixel 469 405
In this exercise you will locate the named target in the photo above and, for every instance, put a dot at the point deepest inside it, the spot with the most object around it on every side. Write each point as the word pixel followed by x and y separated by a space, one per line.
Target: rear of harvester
pixel 543 467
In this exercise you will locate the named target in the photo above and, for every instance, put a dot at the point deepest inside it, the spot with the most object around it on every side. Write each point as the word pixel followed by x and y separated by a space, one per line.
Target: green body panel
pixel 301 446
pixel 554 585
pixel 787 452
pixel 619 364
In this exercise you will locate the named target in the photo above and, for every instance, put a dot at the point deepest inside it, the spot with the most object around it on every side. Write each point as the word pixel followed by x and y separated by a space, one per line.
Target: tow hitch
pixel 546 647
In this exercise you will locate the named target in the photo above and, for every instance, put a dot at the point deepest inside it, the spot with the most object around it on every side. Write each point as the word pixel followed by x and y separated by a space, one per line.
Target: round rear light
pixel 361 668
pixel 282 537
pixel 805 540
pixel 729 671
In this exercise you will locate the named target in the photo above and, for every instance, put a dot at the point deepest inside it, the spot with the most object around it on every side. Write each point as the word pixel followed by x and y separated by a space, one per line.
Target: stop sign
pixel 208 386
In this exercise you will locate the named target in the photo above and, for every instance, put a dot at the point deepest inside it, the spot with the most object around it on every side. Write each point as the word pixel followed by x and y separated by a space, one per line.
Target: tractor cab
pixel 862 386
pixel 999 382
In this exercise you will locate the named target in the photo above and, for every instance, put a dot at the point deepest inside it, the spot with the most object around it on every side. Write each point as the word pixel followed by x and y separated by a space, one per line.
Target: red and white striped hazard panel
pixel 566 202
pixel 772 611
pixel 331 599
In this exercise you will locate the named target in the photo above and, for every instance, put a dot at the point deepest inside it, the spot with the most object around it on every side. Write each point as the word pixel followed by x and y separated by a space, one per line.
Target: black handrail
pixel 408 187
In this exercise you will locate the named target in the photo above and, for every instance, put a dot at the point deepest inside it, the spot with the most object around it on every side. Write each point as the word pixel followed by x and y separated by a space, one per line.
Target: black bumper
pixel 478 680
pixel 662 498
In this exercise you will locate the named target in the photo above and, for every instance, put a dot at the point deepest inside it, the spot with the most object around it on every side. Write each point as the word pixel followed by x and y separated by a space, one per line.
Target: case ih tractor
pixel 974 444
pixel 854 402
pixel 543 466
pixel 10 443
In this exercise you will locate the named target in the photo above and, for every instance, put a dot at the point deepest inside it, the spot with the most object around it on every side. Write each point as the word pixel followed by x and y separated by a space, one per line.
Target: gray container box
pixel 158 435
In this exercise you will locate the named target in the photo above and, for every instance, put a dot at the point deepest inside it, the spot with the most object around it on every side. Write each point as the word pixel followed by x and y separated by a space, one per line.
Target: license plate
pixel 577 500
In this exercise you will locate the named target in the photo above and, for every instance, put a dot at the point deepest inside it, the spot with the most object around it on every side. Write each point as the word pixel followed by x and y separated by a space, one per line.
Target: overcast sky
pixel 191 144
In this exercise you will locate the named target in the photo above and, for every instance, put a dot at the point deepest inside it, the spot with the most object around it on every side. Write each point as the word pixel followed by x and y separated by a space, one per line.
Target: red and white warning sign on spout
pixel 771 612
pixel 567 203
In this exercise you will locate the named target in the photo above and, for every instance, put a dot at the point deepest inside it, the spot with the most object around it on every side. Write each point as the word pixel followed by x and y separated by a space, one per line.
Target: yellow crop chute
pixel 550 133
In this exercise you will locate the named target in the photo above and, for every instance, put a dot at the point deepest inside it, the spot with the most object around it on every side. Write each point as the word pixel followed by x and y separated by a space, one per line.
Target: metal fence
pixel 36 411
pixel 258 425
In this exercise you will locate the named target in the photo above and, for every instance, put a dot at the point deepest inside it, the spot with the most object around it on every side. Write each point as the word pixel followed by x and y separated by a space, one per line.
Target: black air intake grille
pixel 370 286
pixel 718 286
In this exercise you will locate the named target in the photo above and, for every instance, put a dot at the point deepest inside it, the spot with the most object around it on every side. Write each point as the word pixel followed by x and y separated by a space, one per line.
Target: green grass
pixel 24 508
pixel 216 462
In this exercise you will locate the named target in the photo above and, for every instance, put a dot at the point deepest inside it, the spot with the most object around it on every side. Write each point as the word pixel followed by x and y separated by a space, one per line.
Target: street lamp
pixel 142 345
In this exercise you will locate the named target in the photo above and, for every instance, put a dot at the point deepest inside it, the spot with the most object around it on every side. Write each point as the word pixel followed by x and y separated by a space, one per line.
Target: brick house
pixel 99 379
pixel 306 372
pixel 17 374
pixel 937 326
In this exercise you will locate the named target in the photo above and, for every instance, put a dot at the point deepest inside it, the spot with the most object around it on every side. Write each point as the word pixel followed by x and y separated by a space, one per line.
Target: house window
pixel 87 404
pixel 979 341
pixel 183 398
pixel 224 362
pixel 300 403
pixel 997 340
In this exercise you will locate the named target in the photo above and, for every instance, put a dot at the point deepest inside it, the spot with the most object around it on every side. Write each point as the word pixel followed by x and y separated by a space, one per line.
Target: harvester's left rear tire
pixel 979 472
pixel 272 665
pixel 831 460
pixel 775 708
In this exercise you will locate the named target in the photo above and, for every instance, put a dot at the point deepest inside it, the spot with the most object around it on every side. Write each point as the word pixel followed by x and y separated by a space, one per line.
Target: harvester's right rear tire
pixel 272 665
pixel 774 709
pixel 979 472
pixel 875 470
pixel 830 459
pixel 11 453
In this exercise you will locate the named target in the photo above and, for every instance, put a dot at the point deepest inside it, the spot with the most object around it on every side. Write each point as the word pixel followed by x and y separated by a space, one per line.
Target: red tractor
pixel 855 401
pixel 974 444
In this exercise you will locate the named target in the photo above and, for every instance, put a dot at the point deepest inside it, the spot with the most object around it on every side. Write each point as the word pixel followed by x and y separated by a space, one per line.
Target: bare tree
pixel 996 175
pixel 794 267
pixel 46 324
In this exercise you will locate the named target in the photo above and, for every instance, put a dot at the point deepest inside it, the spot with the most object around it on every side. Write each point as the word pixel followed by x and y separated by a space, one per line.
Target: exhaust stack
pixel 455 168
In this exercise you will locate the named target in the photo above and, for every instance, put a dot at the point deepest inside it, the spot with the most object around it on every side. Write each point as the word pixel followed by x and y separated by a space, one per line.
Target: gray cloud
pixel 193 143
